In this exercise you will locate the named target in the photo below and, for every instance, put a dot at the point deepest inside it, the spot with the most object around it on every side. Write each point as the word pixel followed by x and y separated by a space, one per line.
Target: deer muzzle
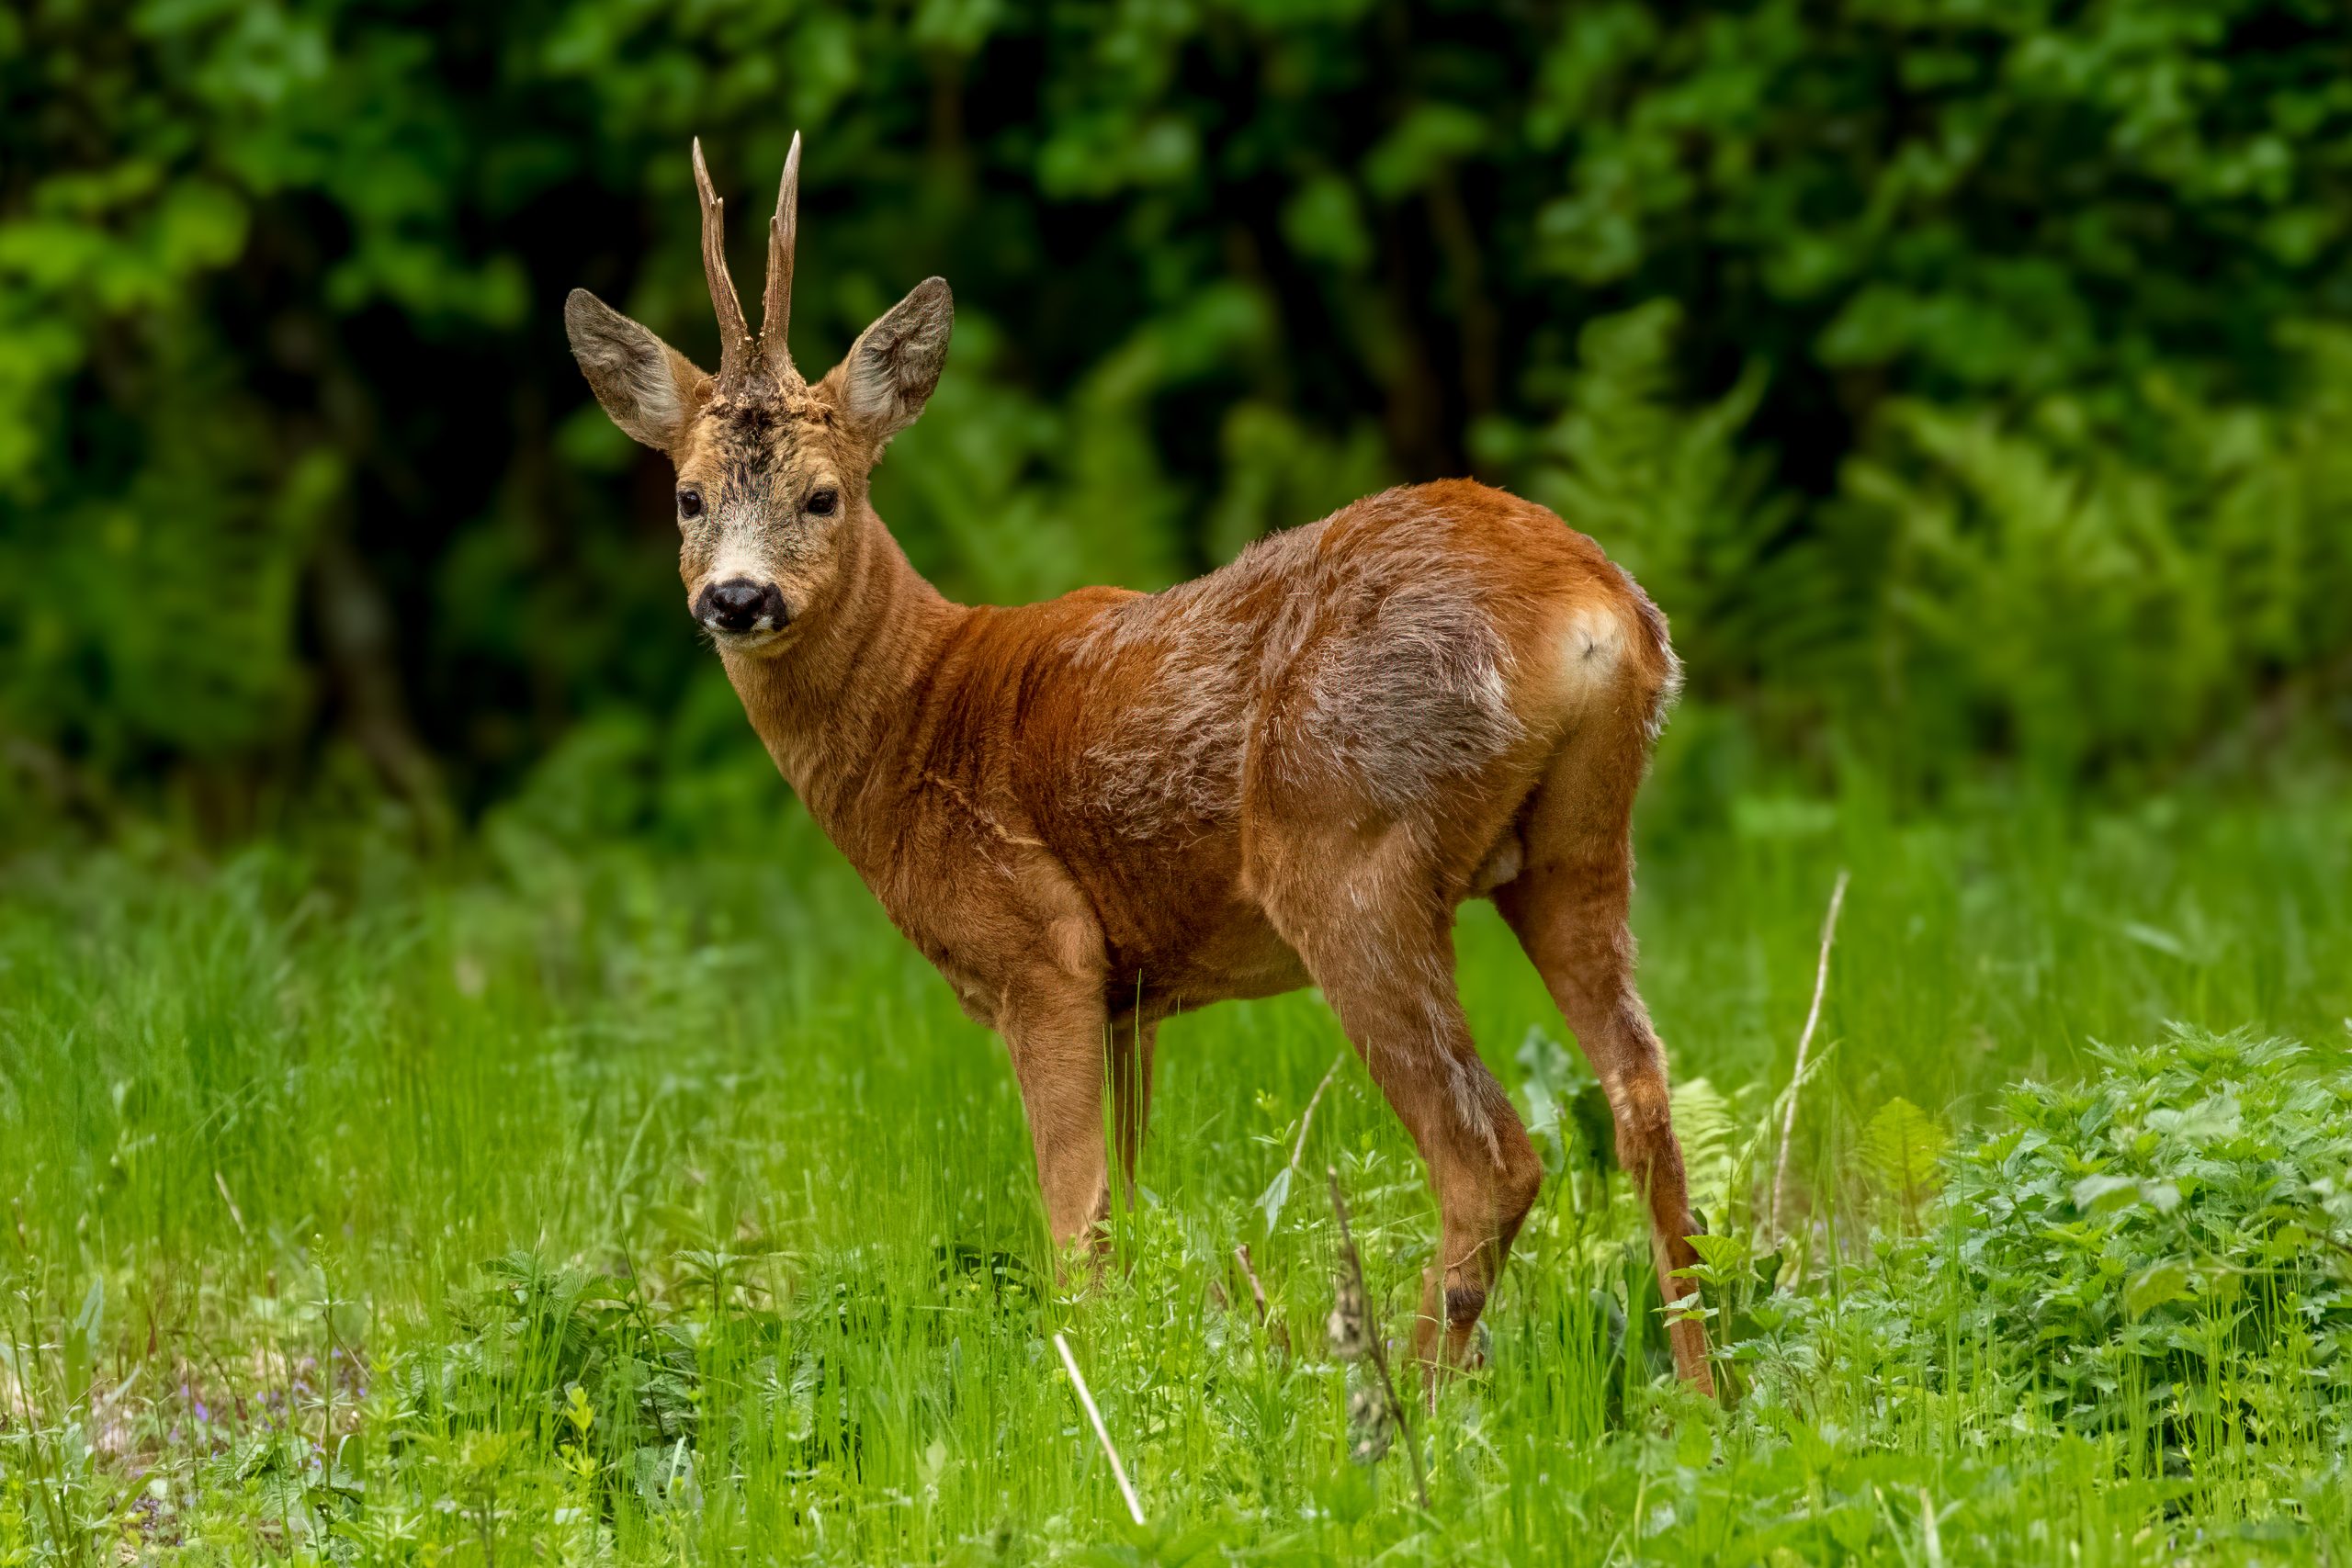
pixel 740 606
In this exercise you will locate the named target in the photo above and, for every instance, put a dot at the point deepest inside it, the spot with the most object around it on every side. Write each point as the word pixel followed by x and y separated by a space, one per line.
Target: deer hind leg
pixel 1569 905
pixel 1377 939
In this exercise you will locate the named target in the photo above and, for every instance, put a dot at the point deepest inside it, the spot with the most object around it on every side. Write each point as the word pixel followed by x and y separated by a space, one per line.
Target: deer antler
pixel 734 334
pixel 775 305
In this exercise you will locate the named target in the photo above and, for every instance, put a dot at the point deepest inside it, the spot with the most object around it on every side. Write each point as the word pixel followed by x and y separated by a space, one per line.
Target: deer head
pixel 771 470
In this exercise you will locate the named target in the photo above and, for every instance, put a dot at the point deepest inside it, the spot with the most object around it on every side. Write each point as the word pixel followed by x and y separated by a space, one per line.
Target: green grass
pixel 585 1202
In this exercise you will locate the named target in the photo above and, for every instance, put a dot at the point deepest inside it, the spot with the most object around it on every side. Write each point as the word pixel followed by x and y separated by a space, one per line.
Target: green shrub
pixel 2169 1232
pixel 2158 1254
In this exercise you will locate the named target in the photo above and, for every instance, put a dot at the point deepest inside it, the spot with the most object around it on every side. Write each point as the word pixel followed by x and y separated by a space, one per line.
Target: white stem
pixel 1102 1433
pixel 1805 1048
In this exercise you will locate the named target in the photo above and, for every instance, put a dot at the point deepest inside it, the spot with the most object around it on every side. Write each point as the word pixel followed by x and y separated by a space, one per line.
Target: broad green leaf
pixel 2153 1286
pixel 2099 1194
pixel 1271 1202
pixel 1718 1255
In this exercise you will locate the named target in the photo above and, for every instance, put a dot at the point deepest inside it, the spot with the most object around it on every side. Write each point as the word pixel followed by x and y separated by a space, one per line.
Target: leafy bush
pixel 2169 1233
pixel 2157 1254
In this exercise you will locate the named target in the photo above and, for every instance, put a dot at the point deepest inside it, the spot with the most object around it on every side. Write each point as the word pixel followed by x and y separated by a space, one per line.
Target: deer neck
pixel 836 703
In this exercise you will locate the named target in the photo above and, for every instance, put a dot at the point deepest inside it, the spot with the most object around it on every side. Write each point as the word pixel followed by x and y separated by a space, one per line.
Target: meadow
pixel 582 1201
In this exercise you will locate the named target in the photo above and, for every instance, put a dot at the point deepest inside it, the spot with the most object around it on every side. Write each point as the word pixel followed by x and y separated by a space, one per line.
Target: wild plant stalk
pixel 1306 1121
pixel 1369 1332
pixel 1804 1049
pixel 1277 1192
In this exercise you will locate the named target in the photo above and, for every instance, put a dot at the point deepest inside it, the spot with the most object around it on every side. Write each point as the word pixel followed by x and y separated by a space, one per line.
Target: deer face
pixel 771 471
pixel 761 498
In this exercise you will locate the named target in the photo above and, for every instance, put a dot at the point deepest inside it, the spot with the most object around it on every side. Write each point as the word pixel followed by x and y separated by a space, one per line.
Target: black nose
pixel 740 605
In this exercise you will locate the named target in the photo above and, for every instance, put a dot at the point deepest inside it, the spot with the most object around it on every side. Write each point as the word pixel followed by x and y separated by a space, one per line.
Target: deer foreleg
pixel 1055 1027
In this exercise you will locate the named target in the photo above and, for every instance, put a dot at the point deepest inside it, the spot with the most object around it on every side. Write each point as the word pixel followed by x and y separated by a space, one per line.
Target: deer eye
pixel 821 502
pixel 690 502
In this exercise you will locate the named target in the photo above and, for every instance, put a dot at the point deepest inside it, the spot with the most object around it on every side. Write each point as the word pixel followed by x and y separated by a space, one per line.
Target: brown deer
pixel 1092 813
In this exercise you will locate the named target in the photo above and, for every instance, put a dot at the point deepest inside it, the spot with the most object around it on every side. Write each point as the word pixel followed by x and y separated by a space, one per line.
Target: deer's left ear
pixel 896 362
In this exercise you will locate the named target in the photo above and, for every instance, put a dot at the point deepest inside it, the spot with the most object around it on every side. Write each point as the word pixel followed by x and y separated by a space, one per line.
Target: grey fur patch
pixel 1368 674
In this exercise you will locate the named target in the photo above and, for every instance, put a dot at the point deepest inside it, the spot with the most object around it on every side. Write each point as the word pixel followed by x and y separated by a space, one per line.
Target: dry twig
pixel 1277 1334
pixel 1257 1290
pixel 1355 1331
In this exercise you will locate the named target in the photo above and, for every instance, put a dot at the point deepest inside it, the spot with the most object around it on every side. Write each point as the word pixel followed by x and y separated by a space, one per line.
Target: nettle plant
pixel 2174 1225
pixel 2160 1253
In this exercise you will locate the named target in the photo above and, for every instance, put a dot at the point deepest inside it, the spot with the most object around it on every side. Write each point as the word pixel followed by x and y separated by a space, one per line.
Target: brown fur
pixel 1095 812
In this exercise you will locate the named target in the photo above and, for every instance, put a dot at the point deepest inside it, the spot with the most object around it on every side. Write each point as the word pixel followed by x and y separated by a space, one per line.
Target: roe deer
pixel 1094 813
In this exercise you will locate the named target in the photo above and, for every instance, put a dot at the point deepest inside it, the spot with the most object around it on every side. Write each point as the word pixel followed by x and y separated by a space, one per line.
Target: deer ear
pixel 896 362
pixel 648 388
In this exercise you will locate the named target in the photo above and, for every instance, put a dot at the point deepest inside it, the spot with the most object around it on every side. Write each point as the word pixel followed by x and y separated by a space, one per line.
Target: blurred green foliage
pixel 1962 376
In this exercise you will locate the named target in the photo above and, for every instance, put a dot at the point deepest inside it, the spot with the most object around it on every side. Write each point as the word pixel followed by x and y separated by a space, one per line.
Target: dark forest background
pixel 1970 379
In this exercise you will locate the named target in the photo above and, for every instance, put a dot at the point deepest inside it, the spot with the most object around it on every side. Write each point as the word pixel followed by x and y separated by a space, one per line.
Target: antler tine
pixel 775 306
pixel 734 334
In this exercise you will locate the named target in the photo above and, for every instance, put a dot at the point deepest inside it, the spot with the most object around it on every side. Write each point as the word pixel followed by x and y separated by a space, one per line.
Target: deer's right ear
pixel 648 388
